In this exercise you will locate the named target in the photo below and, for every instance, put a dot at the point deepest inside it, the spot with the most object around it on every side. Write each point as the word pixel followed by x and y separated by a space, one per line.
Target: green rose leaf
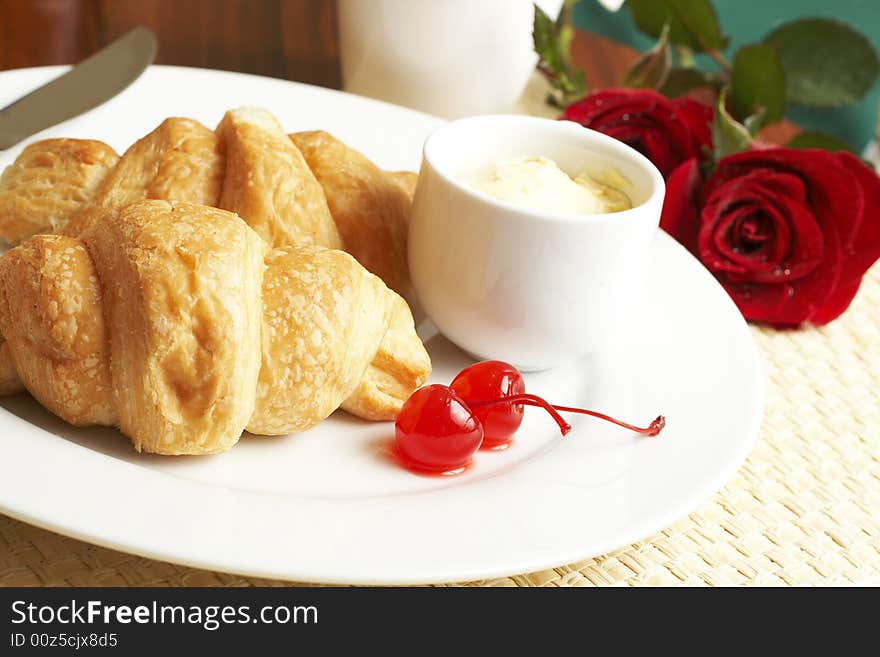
pixel 692 23
pixel 544 37
pixel 652 68
pixel 552 45
pixel 757 83
pixel 754 122
pixel 681 80
pixel 823 140
pixel 826 62
pixel 728 135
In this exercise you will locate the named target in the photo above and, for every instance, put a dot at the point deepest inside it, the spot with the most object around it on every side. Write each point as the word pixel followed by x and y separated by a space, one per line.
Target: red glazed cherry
pixel 491 380
pixel 436 431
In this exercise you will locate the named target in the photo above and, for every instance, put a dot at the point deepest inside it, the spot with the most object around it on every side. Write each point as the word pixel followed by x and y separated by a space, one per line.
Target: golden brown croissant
pixel 63 185
pixel 173 322
pixel 370 206
pixel 10 383
pixel 407 180
pixel 181 160
pixel 269 184
pixel 266 179
pixel 333 334
pixel 48 182
pixel 56 329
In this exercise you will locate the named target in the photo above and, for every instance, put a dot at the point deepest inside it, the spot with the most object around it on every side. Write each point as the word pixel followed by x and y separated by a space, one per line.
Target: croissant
pixel 269 184
pixel 265 178
pixel 48 183
pixel 181 160
pixel 175 322
pixel 10 383
pixel 407 181
pixel 370 206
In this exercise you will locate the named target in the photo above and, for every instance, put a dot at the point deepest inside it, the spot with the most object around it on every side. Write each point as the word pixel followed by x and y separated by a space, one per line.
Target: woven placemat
pixel 803 509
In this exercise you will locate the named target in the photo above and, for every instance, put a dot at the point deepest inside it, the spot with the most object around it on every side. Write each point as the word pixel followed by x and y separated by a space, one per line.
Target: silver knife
pixel 87 85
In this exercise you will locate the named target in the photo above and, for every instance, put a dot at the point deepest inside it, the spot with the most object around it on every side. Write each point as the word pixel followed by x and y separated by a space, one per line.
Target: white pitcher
pixel 451 58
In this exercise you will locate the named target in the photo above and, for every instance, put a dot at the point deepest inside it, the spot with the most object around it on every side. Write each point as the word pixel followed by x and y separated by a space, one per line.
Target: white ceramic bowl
pixel 528 287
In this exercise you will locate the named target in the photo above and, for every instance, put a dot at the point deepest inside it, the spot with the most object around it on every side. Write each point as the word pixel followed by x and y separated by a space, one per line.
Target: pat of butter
pixel 539 183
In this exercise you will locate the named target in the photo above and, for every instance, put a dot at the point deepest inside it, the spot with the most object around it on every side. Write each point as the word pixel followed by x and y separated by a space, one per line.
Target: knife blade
pixel 88 84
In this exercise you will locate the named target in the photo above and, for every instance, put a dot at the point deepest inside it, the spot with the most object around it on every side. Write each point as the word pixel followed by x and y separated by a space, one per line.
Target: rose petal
pixel 660 119
pixel 763 263
pixel 806 242
pixel 607 104
pixel 680 217
pixel 714 239
pixel 759 302
pixel 667 132
pixel 837 302
pixel 659 150
pixel 836 203
pixel 782 196
pixel 698 119
pixel 787 184
pixel 594 102
pixel 758 190
pixel 753 194
pixel 836 207
pixel 811 291
pixel 863 249
pixel 646 142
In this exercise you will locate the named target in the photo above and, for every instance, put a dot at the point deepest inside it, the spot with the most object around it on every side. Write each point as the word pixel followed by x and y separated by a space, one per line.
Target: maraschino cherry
pixel 440 428
pixel 436 431
pixel 490 380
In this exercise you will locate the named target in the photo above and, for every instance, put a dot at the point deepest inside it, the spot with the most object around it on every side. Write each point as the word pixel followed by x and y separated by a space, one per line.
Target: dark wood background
pixel 292 39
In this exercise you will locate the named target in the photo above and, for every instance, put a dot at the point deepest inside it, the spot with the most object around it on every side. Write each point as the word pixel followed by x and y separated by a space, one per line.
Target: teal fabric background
pixel 747 21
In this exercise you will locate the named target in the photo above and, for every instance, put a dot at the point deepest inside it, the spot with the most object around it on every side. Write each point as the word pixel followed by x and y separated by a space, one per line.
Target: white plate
pixel 328 505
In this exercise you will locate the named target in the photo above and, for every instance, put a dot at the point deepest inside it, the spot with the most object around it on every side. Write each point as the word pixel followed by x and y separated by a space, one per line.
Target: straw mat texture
pixel 803 509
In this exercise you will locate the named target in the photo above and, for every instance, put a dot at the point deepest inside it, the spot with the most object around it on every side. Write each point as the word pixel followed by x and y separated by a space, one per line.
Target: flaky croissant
pixel 248 166
pixel 270 185
pixel 175 322
pixel 48 183
pixel 63 185
pixel 181 160
pixel 309 188
pixel 10 383
pixel 370 206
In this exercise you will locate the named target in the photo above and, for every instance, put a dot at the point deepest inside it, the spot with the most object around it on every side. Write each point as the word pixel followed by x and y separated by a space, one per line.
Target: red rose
pixel 788 233
pixel 667 132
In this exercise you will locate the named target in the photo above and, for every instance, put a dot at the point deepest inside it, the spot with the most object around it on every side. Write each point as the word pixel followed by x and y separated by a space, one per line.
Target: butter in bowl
pixel 529 237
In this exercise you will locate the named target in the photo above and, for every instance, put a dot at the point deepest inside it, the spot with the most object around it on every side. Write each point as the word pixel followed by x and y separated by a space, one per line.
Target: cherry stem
pixel 651 430
pixel 529 400
pixel 533 400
